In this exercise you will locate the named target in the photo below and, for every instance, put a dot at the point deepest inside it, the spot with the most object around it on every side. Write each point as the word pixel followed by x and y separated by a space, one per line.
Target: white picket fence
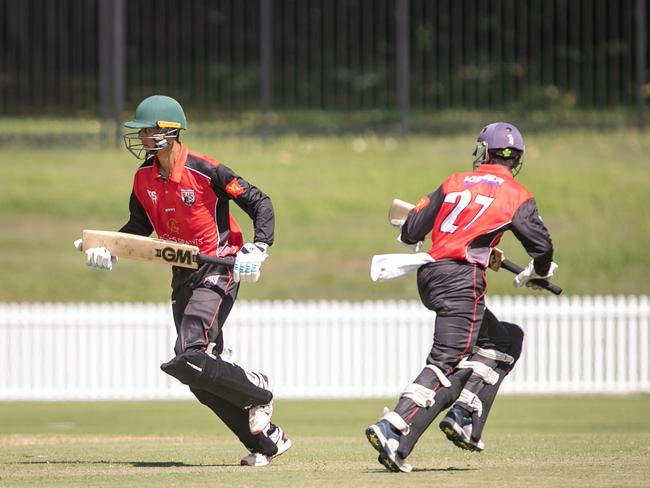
pixel 315 349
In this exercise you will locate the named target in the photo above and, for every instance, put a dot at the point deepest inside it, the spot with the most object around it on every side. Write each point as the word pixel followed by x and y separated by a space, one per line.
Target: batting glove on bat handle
pixel 546 285
pixel 97 257
pixel 248 262
pixel 529 273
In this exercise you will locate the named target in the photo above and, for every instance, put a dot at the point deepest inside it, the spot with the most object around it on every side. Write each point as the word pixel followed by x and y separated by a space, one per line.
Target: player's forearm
pixel 250 199
pixel 263 217
pixel 543 263
pixel 528 227
pixel 420 220
pixel 264 228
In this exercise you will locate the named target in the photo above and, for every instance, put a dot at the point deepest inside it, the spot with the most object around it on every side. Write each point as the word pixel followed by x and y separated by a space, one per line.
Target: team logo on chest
pixel 172 226
pixel 188 197
pixel 153 195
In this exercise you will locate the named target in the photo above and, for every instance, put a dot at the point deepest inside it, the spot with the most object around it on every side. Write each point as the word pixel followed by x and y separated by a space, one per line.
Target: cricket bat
pixel 131 246
pixel 398 212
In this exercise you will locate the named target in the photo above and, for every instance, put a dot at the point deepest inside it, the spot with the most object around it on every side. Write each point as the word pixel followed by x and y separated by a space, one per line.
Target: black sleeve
pixel 250 199
pixel 420 219
pixel 138 222
pixel 529 228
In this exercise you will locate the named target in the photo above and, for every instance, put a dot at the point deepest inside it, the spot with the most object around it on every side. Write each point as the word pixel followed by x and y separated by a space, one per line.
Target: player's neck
pixel 167 157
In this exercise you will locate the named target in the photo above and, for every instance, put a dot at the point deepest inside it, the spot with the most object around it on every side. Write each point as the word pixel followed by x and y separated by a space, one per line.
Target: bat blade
pixel 398 211
pixel 131 246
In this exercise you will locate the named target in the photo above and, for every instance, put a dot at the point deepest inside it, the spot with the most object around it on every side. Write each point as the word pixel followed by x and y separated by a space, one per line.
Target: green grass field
pixel 548 442
pixel 331 197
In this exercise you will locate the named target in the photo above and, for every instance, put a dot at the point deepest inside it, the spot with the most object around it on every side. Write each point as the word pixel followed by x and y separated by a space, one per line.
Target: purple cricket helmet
pixel 500 140
pixel 500 135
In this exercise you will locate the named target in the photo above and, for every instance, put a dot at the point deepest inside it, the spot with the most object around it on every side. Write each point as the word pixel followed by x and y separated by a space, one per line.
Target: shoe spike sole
pixel 373 439
pixel 387 463
pixel 458 441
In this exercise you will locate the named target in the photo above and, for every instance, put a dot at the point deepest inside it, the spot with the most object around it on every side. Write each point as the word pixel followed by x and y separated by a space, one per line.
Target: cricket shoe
pixel 385 439
pixel 279 438
pixel 458 429
pixel 259 417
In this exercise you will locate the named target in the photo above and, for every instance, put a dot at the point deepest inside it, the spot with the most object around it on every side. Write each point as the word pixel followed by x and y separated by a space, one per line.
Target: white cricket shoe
pixel 259 417
pixel 277 435
pixel 255 459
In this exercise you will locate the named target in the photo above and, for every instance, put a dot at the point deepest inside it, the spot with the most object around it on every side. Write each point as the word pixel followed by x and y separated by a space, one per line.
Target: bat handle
pixel 516 269
pixel 204 258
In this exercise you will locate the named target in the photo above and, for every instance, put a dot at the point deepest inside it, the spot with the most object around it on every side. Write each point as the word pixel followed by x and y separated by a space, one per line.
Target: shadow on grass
pixel 135 464
pixel 440 470
pixel 424 470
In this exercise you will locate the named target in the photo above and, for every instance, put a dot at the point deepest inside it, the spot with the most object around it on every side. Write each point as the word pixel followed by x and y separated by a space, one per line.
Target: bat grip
pixel 204 258
pixel 516 269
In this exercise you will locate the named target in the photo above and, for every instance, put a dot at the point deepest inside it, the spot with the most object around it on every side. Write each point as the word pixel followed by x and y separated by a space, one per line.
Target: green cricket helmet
pixel 160 112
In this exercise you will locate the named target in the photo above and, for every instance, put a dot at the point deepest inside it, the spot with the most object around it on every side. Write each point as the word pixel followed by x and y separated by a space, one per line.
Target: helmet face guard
pixel 159 112
pixel 135 143
pixel 480 154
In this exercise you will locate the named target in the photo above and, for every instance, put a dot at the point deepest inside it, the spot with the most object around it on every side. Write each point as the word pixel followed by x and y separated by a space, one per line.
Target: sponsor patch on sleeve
pixel 234 189
pixel 422 202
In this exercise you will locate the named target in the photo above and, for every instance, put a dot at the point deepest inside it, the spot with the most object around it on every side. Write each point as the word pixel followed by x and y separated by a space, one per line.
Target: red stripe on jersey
pixel 476 300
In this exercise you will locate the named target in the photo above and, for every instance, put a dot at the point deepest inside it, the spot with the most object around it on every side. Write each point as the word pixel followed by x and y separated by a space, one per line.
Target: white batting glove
pixel 97 257
pixel 248 262
pixel 529 273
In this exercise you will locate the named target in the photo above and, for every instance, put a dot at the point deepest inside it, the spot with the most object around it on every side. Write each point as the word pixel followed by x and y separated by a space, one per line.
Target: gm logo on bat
pixel 172 255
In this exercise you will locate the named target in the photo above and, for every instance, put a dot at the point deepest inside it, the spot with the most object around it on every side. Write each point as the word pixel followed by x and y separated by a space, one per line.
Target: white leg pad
pixel 494 354
pixel 444 381
pixel 396 421
pixel 482 370
pixel 473 401
pixel 421 395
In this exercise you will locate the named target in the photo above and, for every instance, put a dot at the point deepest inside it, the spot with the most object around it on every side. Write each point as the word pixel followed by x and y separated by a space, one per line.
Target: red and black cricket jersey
pixel 468 214
pixel 192 205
